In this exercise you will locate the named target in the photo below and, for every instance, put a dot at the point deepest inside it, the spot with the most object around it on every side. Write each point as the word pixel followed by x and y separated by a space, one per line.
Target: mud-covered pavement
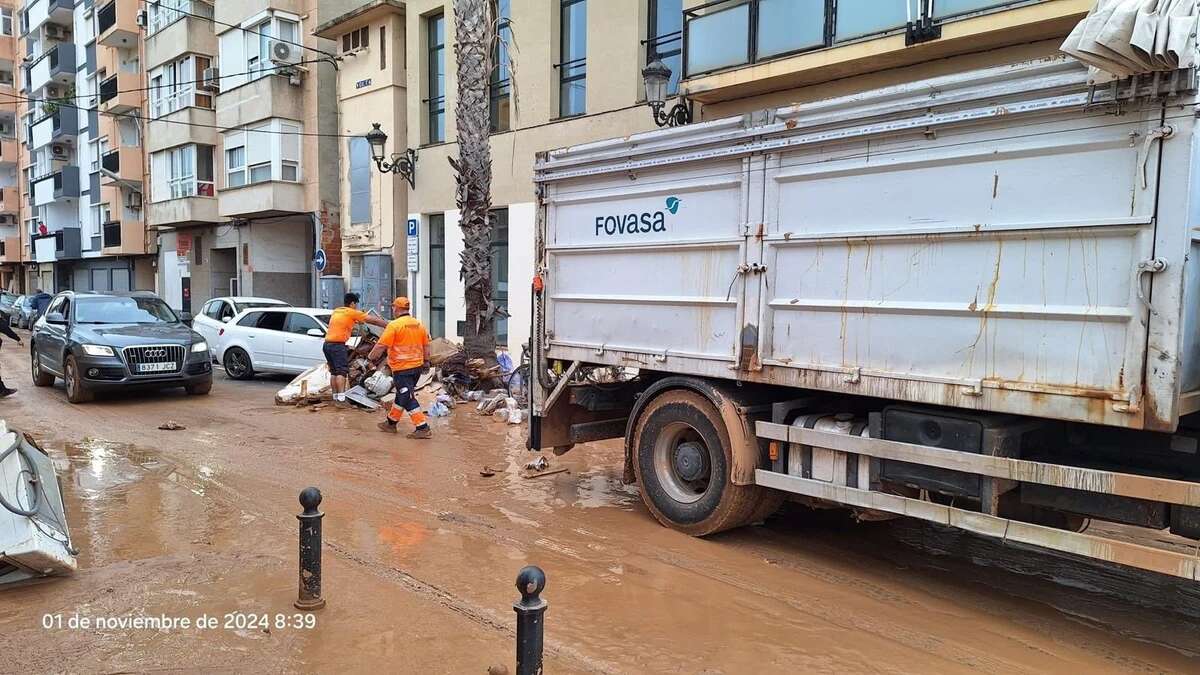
pixel 421 553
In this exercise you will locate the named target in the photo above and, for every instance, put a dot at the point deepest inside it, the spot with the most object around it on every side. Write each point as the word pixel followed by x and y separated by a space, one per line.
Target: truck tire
pixel 682 454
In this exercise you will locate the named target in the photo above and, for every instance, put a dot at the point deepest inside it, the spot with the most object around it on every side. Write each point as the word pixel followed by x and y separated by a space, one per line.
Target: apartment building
pixel 241 115
pixel 81 155
pixel 10 193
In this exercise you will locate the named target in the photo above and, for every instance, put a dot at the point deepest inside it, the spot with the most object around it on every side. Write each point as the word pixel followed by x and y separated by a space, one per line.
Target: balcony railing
pixel 108 89
pixel 184 97
pixel 111 233
pixel 111 161
pixel 731 33
pixel 106 17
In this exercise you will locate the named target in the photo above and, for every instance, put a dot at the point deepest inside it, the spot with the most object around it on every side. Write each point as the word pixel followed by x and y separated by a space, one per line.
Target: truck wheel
pixel 683 458
pixel 76 391
pixel 41 378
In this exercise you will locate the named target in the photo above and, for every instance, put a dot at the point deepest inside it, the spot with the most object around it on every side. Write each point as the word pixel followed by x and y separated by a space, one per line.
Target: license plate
pixel 156 367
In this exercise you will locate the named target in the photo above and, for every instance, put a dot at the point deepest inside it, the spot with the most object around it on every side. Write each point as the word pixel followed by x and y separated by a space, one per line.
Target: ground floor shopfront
pixel 100 274
pixel 267 258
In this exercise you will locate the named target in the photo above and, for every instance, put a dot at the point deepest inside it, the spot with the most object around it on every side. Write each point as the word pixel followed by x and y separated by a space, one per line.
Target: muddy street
pixel 421 552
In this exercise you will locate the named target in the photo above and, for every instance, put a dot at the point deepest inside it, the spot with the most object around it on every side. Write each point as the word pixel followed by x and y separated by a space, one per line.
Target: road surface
pixel 422 551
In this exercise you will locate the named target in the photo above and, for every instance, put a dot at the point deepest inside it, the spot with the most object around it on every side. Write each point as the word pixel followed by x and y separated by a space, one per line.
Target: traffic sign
pixel 319 260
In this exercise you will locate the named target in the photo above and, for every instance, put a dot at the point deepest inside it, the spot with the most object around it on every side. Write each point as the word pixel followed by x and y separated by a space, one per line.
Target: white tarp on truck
pixel 998 240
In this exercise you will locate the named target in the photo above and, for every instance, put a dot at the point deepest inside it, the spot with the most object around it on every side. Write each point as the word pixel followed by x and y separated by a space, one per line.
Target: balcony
pixel 172 34
pixel 269 96
pixel 10 250
pixel 58 126
pixel 272 198
pixel 60 245
pixel 117 95
pixel 187 210
pixel 116 24
pixel 56 66
pixel 62 184
pixel 184 126
pixel 58 12
pixel 110 233
pixel 10 200
pixel 10 150
pixel 122 167
pixel 738 48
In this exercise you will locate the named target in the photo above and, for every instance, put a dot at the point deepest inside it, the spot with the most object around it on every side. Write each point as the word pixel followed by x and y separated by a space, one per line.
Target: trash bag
pixel 438 409
pixel 505 361
pixel 379 383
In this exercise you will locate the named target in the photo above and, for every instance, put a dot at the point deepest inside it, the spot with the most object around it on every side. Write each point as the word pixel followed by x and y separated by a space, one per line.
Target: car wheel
pixel 40 377
pixel 682 453
pixel 237 364
pixel 199 389
pixel 76 391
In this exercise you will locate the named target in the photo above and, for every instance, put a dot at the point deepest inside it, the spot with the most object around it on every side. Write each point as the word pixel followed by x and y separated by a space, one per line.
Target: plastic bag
pixel 438 409
pixel 505 361
pixel 378 383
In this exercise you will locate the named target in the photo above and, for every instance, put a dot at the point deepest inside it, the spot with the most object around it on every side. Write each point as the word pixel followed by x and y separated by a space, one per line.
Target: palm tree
pixel 473 34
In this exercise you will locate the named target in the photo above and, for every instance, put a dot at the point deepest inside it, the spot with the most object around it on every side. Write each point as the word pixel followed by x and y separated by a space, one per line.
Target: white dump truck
pixel 972 300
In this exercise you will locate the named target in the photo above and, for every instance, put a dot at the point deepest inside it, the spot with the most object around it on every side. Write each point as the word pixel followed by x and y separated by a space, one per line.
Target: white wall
pixel 456 303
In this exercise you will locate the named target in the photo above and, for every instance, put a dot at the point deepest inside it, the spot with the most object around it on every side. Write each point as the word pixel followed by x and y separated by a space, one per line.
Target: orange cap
pixel 401 302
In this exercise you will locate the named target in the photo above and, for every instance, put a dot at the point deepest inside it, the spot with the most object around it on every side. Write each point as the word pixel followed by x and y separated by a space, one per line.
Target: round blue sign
pixel 319 260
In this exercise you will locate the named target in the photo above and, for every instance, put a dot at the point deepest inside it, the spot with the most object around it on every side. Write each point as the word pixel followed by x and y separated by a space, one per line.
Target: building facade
pixel 81 157
pixel 240 118
pixel 11 246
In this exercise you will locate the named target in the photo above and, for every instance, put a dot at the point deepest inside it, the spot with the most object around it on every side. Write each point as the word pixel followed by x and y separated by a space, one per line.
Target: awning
pixel 1120 38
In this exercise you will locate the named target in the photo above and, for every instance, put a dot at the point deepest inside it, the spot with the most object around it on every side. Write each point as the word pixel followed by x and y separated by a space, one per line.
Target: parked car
pixel 21 315
pixel 7 302
pixel 28 312
pixel 219 311
pixel 105 341
pixel 288 340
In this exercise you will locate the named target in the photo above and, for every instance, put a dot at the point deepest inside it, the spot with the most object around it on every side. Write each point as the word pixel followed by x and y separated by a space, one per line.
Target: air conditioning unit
pixel 142 19
pixel 59 151
pixel 52 91
pixel 54 32
pixel 133 200
pixel 284 53
pixel 211 79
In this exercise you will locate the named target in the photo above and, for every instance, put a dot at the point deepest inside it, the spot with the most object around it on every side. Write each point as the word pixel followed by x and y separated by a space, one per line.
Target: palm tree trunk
pixel 473 30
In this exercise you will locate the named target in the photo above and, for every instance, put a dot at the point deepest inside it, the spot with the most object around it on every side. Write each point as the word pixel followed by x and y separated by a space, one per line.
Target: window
pixel 266 151
pixel 499 218
pixel 360 180
pixel 227 313
pixel 212 309
pixel 184 171
pixel 300 324
pixel 437 275
pixel 435 35
pixel 664 39
pixel 383 47
pixel 251 319
pixel 572 67
pixel 856 18
pixel 251 46
pixel 173 86
pixel 163 13
pixel 6 21
pixel 271 320
pixel 356 39
pixel 501 80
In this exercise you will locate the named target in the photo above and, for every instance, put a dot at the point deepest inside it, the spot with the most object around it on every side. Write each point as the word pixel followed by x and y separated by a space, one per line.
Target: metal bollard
pixel 530 609
pixel 310 551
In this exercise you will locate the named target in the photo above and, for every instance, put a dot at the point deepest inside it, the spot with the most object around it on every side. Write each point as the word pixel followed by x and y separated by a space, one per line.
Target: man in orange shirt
pixel 337 355
pixel 407 344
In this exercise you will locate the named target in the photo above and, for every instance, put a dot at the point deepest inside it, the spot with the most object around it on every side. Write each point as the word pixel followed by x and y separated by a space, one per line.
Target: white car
pixel 273 340
pixel 219 311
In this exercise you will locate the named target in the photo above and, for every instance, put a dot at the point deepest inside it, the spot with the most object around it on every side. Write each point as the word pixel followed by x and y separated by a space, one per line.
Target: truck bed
pixel 1002 240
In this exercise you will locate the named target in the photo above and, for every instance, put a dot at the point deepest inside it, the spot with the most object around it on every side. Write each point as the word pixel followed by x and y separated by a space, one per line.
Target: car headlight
pixel 200 346
pixel 98 350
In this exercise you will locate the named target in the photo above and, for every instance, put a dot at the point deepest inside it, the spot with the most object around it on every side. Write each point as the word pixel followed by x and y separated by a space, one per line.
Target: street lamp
pixel 404 163
pixel 657 76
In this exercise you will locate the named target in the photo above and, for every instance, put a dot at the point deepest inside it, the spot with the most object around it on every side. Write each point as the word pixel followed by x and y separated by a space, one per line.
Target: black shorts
pixel 337 355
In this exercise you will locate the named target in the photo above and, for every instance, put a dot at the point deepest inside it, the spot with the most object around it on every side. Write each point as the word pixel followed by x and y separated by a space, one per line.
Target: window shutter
pixel 360 180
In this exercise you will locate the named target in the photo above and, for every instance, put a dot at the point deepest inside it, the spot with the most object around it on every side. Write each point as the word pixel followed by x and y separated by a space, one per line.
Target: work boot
pixel 387 427
pixel 343 405
pixel 6 392
pixel 420 432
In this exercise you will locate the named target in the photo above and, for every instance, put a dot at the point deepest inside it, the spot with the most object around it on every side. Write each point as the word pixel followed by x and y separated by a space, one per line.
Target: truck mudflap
pixel 865 493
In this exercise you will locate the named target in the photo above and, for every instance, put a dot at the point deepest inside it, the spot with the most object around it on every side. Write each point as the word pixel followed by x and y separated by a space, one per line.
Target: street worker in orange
pixel 337 354
pixel 407 344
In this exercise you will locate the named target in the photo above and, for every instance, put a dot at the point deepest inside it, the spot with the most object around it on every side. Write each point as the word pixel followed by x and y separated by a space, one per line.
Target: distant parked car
pixel 219 311
pixel 105 341
pixel 7 302
pixel 268 340
pixel 26 311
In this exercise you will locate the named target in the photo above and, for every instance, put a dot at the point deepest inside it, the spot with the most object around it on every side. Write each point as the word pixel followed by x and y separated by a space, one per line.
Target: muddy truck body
pixel 972 300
